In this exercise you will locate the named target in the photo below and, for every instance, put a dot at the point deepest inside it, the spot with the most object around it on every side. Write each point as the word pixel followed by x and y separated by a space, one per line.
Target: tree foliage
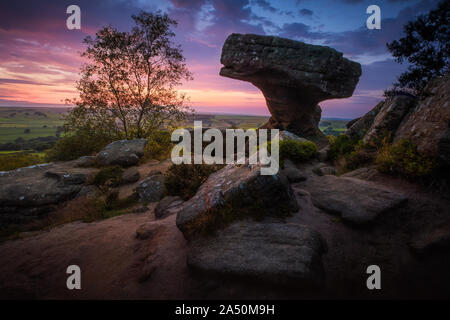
pixel 128 87
pixel 426 47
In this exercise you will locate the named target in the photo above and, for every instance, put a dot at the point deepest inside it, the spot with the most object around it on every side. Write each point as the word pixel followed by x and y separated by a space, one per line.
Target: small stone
pixel 130 175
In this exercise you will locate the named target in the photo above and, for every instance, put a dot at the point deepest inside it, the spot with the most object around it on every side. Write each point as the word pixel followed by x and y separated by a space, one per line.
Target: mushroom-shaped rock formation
pixel 293 76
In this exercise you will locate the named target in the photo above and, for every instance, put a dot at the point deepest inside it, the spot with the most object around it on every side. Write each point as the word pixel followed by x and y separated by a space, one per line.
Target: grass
pixel 42 122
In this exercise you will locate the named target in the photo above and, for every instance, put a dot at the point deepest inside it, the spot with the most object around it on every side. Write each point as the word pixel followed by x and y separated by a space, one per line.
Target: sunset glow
pixel 40 57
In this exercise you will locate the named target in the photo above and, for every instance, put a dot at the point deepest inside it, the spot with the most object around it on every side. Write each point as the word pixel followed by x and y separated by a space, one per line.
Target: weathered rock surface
pixel 287 135
pixel 151 189
pixel 241 184
pixel 85 161
pixel 390 116
pixel 292 172
pixel 130 175
pixel 358 127
pixel 428 124
pixel 356 201
pixel 167 206
pixel 28 192
pixel 293 76
pixel 147 231
pixel 324 170
pixel 278 253
pixel 366 173
pixel 425 122
pixel 122 152
pixel 434 240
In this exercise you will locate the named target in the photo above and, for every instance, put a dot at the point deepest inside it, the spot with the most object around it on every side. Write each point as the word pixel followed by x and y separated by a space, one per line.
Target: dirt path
pixel 117 265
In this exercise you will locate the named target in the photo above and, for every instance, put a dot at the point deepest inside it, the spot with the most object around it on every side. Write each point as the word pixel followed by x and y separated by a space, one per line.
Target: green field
pixel 29 123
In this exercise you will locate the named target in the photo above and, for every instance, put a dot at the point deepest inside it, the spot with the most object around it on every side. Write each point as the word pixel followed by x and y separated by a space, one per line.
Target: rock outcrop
pixel 122 152
pixel 389 117
pixel 277 253
pixel 425 122
pixel 428 124
pixel 293 173
pixel 241 185
pixel 27 193
pixel 355 200
pixel 293 76
pixel 383 119
pixel 167 206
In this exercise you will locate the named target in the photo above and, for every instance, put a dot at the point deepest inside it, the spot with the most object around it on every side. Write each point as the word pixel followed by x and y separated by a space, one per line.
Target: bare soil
pixel 115 264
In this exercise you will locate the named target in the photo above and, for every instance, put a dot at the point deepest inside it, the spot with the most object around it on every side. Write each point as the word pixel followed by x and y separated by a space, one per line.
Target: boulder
pixel 237 185
pixel 293 77
pixel 27 193
pixel 281 254
pixel 151 189
pixel 122 152
pixel 167 206
pixel 428 123
pixel 292 172
pixel 356 201
pixel 130 175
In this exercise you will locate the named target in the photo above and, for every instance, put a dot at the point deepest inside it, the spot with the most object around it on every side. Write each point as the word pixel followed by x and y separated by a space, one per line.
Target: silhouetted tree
pixel 127 89
pixel 426 47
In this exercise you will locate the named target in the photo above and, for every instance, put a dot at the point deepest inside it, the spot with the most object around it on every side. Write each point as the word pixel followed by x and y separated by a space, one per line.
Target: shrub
pixel 108 206
pixel 405 160
pixel 184 179
pixel 73 146
pixel 297 150
pixel 112 175
pixel 18 160
pixel 159 146
pixel 342 145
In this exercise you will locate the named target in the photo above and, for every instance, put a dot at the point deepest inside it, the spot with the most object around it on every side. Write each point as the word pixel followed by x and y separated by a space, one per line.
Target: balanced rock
pixel 122 152
pixel 237 185
pixel 356 201
pixel 293 76
pixel 283 254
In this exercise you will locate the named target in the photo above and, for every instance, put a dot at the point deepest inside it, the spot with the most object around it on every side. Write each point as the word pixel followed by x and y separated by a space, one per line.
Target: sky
pixel 40 57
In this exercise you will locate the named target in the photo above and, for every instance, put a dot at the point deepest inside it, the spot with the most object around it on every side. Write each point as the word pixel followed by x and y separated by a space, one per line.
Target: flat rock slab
pixel 355 200
pixel 279 253
pixel 28 192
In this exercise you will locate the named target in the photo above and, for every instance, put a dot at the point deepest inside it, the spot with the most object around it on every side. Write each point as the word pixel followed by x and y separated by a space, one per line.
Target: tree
pixel 426 47
pixel 127 89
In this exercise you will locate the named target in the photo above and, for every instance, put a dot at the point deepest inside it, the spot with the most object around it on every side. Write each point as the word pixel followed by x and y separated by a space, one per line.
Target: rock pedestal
pixel 293 76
